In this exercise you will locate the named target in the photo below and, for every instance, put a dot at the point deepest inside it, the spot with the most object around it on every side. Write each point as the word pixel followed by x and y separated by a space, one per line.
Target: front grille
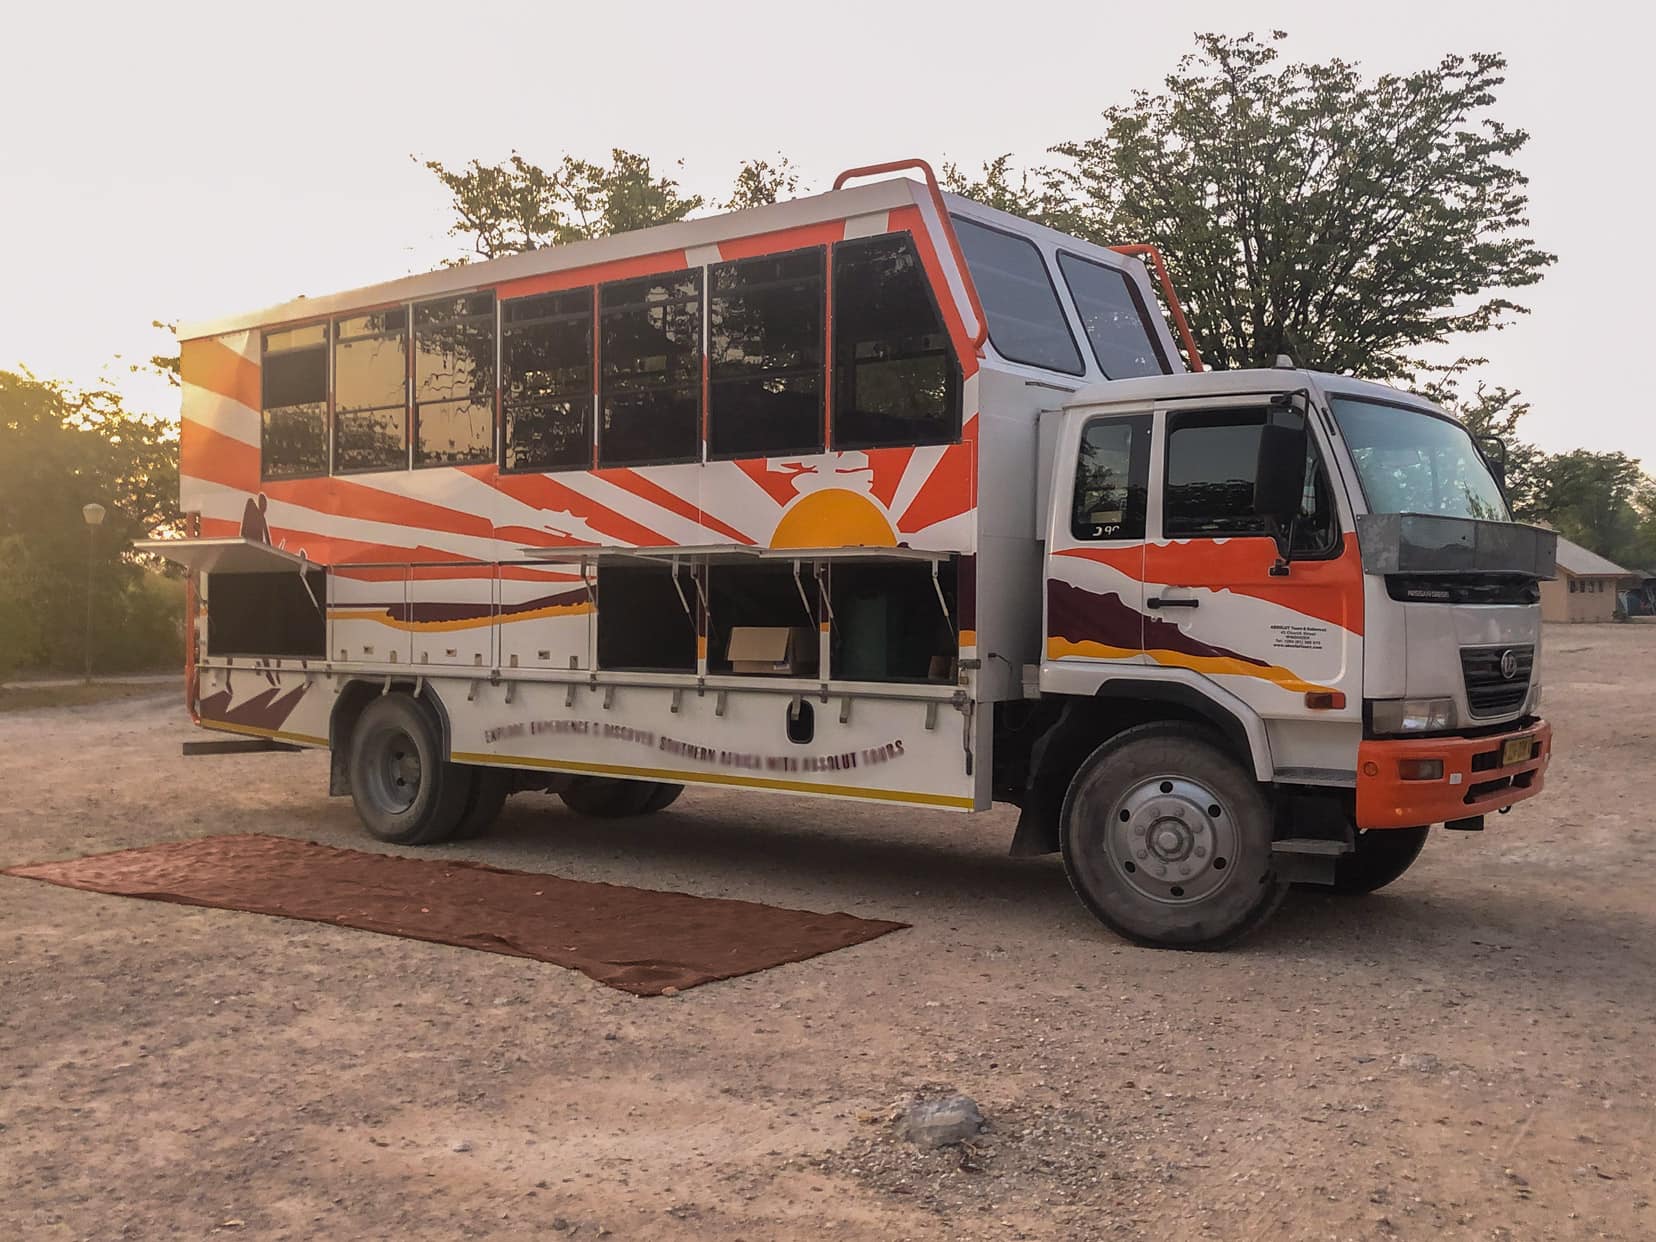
pixel 1489 691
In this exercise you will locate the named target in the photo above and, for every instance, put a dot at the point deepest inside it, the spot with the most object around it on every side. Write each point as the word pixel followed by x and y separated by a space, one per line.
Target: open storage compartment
pixel 762 618
pixel 646 617
pixel 276 613
pixel 893 620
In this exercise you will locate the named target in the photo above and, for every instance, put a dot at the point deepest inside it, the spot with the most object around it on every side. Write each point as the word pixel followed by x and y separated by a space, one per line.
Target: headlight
pixel 1535 698
pixel 1412 715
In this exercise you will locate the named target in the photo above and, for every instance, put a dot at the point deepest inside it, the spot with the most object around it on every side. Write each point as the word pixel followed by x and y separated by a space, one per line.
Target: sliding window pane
pixel 896 381
pixel 1026 323
pixel 766 355
pixel 454 433
pixel 370 440
pixel 651 370
pixel 295 441
pixel 294 403
pixel 1115 319
pixel 549 435
pixel 454 381
pixel 546 376
pixel 641 428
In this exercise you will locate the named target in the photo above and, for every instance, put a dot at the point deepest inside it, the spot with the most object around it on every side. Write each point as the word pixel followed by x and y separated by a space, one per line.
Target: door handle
pixel 1157 601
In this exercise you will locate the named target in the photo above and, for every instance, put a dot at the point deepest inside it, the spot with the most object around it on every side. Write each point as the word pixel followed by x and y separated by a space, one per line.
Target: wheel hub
pixel 1172 839
pixel 394 768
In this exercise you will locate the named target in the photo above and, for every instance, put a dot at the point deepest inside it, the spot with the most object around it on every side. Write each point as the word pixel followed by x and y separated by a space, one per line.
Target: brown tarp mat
pixel 637 939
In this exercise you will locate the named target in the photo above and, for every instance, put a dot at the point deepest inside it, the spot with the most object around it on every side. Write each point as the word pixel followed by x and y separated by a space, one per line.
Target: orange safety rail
pixel 192 530
pixel 874 170
pixel 1173 307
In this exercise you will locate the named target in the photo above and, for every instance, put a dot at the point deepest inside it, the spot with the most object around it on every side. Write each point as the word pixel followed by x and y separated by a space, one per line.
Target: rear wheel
pixel 1167 839
pixel 1381 856
pixel 490 787
pixel 608 798
pixel 405 790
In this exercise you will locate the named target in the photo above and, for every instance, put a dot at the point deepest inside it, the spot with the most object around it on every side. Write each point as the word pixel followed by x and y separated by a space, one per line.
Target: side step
pixel 1307 860
pixel 237 746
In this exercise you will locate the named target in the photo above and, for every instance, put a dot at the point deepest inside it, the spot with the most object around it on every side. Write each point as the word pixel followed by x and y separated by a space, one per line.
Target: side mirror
pixel 1494 452
pixel 1279 473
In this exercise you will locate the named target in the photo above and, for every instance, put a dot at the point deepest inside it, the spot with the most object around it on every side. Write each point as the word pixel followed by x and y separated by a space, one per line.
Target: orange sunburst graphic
pixel 833 518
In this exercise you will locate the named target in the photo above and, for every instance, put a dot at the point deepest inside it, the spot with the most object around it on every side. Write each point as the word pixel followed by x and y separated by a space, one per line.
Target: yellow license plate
pixel 1516 750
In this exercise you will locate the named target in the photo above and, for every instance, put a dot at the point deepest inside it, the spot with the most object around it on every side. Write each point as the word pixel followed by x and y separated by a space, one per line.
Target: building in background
pixel 1587 586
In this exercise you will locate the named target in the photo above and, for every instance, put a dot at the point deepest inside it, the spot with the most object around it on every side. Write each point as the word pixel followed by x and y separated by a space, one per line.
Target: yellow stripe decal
pixel 714 778
pixel 1058 648
pixel 467 623
pixel 254 731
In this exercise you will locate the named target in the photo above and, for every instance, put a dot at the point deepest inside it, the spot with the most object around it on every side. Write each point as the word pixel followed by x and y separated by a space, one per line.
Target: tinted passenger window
pixel 765 355
pixel 454 381
pixel 370 391
pixel 895 376
pixel 1211 462
pixel 651 351
pixel 1115 318
pixel 1026 323
pixel 547 357
pixel 294 422
pixel 1112 474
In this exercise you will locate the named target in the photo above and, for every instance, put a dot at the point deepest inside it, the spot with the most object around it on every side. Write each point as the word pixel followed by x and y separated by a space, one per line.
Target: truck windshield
pixel 1410 461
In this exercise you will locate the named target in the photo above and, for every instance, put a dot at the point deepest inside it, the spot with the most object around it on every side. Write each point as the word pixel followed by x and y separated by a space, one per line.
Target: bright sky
pixel 184 161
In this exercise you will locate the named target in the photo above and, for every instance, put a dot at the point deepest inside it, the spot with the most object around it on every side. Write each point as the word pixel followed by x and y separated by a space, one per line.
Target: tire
pixel 604 797
pixel 1381 856
pixel 490 787
pixel 405 790
pixel 664 796
pixel 1167 839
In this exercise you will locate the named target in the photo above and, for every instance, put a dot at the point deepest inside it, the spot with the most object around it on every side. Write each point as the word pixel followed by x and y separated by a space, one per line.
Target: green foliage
pixel 515 206
pixel 759 182
pixel 1603 501
pixel 60 449
pixel 1347 222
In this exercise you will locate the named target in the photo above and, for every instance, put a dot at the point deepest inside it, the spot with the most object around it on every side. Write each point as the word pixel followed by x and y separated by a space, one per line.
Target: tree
pixel 1349 223
pixel 61 448
pixel 1493 413
pixel 515 206
pixel 759 182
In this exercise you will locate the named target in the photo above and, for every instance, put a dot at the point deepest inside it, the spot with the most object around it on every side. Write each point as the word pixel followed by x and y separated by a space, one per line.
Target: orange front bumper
pixel 1473 782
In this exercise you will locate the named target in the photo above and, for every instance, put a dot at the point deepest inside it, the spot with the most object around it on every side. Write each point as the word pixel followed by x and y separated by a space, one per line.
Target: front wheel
pixel 1381 856
pixel 1167 839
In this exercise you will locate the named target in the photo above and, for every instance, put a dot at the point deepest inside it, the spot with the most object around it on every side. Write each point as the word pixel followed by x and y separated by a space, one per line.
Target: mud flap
pixel 1307 860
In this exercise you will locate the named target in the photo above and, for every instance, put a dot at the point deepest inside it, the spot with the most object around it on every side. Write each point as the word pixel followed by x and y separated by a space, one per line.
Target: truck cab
pixel 1321 576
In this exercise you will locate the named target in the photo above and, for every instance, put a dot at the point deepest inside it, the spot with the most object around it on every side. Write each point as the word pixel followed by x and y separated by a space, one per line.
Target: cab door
pixel 1283 637
pixel 1095 544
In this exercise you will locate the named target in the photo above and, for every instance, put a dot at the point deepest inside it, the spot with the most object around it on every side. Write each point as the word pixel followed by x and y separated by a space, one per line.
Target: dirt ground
pixel 1465 1055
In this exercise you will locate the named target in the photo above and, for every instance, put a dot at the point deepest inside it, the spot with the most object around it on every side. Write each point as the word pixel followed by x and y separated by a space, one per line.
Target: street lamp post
pixel 94 515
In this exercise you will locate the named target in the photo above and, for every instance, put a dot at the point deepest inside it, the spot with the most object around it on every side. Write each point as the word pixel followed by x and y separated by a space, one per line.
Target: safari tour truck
pixel 879 494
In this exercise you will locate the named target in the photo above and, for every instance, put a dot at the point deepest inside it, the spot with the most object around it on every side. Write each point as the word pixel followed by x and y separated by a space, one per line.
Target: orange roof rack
pixel 1172 296
pixel 874 170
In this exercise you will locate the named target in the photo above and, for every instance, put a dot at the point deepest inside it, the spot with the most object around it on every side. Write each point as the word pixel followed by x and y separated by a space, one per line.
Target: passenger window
pixel 651 350
pixel 1115 318
pixel 896 381
pixel 294 419
pixel 1211 460
pixel 454 381
pixel 765 348
pixel 371 391
pixel 547 364
pixel 1112 475
pixel 1026 322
